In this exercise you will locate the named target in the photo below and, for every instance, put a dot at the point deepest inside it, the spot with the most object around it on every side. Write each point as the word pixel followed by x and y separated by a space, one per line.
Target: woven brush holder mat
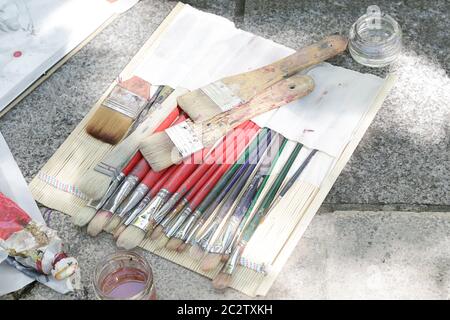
pixel 276 237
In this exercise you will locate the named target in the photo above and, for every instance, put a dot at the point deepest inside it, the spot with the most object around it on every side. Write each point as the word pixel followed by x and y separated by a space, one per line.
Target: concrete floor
pixel 402 163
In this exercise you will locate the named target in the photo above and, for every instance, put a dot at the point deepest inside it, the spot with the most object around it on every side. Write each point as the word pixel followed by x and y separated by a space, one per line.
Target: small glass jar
pixel 124 275
pixel 375 39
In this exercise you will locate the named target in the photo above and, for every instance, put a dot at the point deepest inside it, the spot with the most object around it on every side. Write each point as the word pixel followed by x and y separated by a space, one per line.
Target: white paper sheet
pixel 58 26
pixel 14 186
pixel 199 48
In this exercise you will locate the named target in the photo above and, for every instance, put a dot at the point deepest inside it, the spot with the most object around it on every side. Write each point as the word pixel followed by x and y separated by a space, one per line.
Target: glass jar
pixel 124 275
pixel 375 39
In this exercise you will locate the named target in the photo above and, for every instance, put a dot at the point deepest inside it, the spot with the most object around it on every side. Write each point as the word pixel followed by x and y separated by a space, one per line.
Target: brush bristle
pixel 94 184
pixel 198 106
pixel 183 247
pixel 157 233
pixel 162 241
pixel 82 217
pixel 98 222
pixel 210 262
pixel 130 238
pixel 173 244
pixel 195 252
pixel 108 125
pixel 118 231
pixel 222 281
pixel 159 151
pixel 112 224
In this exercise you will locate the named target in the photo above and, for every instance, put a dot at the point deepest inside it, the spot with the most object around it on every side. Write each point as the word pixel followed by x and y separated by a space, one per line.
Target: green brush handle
pixel 224 180
pixel 261 188
pixel 265 204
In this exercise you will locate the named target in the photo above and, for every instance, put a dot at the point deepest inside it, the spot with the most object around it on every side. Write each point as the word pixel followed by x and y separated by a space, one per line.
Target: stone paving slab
pixel 343 255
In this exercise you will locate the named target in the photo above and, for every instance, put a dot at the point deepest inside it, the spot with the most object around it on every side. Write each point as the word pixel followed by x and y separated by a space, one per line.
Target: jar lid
pixel 375 38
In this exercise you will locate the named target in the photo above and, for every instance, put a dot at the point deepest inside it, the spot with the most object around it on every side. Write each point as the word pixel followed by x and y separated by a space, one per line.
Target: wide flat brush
pixel 222 95
pixel 161 115
pixel 116 114
pixel 109 208
pixel 136 231
pixel 223 279
pixel 166 148
pixel 97 180
pixel 179 227
pixel 132 214
pixel 82 217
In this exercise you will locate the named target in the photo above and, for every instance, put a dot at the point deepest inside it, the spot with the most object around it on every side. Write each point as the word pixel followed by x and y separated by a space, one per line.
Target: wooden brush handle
pixel 132 163
pixel 279 94
pixel 311 55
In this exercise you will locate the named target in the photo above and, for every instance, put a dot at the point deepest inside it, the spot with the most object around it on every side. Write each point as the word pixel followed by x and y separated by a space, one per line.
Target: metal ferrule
pixel 168 219
pixel 132 200
pixel 227 237
pixel 165 209
pixel 234 259
pixel 173 227
pixel 195 225
pixel 108 170
pixel 98 204
pixel 143 219
pixel 125 102
pixel 205 238
pixel 138 209
pixel 120 194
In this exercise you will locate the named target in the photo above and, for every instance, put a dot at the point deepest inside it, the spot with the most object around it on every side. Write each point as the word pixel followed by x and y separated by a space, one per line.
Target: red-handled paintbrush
pixel 135 232
pixel 112 204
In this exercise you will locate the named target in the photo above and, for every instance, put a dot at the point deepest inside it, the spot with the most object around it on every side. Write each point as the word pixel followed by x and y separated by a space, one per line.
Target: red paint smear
pixel 12 217
pixel 17 54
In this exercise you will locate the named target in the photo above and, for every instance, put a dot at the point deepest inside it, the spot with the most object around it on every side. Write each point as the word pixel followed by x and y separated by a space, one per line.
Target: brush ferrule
pixel 221 95
pixel 233 260
pixel 159 216
pixel 108 170
pixel 227 237
pixel 142 221
pixel 185 138
pixel 172 229
pixel 132 200
pixel 138 209
pixel 125 102
pixel 98 204
pixel 194 227
pixel 205 238
pixel 121 193
pixel 170 217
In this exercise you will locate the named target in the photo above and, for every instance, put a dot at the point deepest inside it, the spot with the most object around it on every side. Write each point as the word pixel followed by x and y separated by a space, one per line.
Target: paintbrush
pixel 132 214
pixel 193 215
pixel 109 208
pixel 207 181
pixel 227 235
pixel 85 215
pixel 222 95
pixel 223 279
pixel 137 195
pixel 161 115
pixel 201 242
pixel 197 174
pixel 166 148
pixel 116 114
pixel 136 231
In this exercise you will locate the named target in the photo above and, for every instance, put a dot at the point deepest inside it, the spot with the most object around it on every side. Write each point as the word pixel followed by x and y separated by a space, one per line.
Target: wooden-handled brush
pixel 206 102
pixel 118 111
pixel 166 148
